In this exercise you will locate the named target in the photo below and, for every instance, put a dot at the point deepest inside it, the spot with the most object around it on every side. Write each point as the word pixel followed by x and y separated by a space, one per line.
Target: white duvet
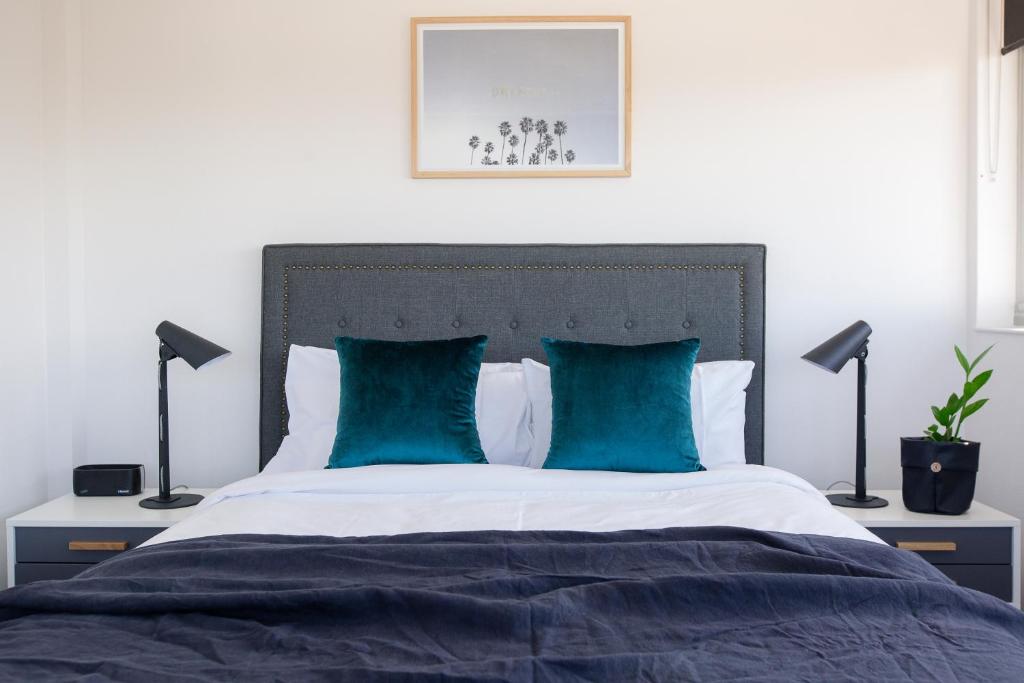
pixel 396 499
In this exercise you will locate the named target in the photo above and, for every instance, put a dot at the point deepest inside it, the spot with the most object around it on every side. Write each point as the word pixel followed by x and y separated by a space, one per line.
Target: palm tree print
pixel 525 126
pixel 548 141
pixel 542 132
pixel 543 152
pixel 560 129
pixel 503 130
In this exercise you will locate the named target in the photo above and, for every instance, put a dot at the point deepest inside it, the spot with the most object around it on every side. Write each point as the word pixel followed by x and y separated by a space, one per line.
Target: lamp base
pixel 181 500
pixel 848 500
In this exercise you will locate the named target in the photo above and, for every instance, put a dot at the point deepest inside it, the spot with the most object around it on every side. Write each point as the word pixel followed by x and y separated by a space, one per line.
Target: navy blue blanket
pixel 672 604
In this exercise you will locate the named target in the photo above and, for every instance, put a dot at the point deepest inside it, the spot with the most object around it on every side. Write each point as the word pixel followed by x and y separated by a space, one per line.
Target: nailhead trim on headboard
pixel 396 267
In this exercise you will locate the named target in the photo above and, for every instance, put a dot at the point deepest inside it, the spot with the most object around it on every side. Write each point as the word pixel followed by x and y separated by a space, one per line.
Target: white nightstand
pixel 67 535
pixel 979 549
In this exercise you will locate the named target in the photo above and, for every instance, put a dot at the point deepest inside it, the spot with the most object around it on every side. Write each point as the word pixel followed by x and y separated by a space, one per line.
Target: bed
pixel 499 572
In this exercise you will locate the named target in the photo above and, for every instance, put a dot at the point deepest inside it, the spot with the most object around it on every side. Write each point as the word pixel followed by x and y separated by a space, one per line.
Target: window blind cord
pixel 993 107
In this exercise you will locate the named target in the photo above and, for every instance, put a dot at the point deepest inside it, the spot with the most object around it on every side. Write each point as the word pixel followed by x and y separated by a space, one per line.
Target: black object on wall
pixel 832 355
pixel 1013 25
pixel 176 342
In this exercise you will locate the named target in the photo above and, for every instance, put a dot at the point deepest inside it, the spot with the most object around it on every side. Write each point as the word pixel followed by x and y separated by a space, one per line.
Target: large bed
pixel 501 572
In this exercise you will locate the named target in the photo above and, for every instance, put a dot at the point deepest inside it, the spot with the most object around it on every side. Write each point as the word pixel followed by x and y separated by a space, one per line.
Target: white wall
pixel 22 323
pixel 831 131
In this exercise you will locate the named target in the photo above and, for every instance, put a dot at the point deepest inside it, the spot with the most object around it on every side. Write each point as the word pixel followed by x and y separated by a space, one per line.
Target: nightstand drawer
pixel 994 579
pixel 952 545
pixel 26 572
pixel 77 545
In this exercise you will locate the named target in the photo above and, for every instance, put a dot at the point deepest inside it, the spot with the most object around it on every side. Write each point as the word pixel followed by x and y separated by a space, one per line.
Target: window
pixel 998 216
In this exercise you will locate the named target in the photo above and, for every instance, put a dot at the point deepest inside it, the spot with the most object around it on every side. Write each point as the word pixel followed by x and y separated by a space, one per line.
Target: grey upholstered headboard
pixel 515 294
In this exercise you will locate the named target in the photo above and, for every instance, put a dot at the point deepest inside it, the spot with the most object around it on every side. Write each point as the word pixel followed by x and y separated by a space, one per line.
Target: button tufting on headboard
pixel 605 293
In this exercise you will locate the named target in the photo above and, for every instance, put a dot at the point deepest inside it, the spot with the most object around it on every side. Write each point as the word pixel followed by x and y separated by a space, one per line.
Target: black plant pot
pixel 938 477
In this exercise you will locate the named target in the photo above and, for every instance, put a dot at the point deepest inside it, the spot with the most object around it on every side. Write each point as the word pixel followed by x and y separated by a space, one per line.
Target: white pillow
pixel 503 414
pixel 718 392
pixel 717 395
pixel 312 387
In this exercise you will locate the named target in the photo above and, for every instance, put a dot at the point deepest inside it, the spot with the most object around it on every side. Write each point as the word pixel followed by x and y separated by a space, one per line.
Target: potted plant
pixel 940 468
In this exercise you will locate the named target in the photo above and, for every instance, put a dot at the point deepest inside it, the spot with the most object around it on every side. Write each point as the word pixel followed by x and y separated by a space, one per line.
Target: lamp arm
pixel 163 462
pixel 861 491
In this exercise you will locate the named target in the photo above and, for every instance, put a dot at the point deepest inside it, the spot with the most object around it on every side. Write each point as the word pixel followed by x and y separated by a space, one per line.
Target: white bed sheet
pixel 395 499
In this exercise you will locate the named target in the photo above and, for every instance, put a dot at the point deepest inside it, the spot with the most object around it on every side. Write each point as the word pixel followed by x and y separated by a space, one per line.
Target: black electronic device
pixel 108 480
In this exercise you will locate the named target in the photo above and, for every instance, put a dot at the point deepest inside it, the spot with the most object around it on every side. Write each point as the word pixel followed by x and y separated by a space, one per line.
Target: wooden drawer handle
pixel 928 546
pixel 98 545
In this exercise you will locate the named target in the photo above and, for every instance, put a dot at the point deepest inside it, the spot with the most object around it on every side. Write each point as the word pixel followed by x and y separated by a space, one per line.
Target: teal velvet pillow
pixel 407 402
pixel 622 408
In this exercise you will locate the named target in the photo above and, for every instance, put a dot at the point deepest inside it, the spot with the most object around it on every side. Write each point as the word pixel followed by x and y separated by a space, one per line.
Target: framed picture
pixel 520 96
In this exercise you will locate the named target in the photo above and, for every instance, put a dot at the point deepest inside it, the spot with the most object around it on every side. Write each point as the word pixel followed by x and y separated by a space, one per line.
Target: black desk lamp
pixel 177 342
pixel 832 355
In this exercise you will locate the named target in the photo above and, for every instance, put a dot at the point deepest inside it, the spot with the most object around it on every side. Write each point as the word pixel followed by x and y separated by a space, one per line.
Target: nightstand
pixel 59 539
pixel 979 549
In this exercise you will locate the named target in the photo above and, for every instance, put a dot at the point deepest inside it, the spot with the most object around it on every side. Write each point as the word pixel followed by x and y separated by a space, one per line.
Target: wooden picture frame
pixel 582 65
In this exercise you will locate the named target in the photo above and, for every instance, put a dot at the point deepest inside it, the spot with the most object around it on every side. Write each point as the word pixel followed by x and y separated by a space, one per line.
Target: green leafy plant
pixel 951 417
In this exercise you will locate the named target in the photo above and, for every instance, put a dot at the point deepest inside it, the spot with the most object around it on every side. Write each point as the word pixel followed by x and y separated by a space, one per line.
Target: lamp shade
pixel 195 350
pixel 833 354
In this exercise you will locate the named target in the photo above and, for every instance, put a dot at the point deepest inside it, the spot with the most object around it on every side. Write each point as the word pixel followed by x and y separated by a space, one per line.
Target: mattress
pixel 397 499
